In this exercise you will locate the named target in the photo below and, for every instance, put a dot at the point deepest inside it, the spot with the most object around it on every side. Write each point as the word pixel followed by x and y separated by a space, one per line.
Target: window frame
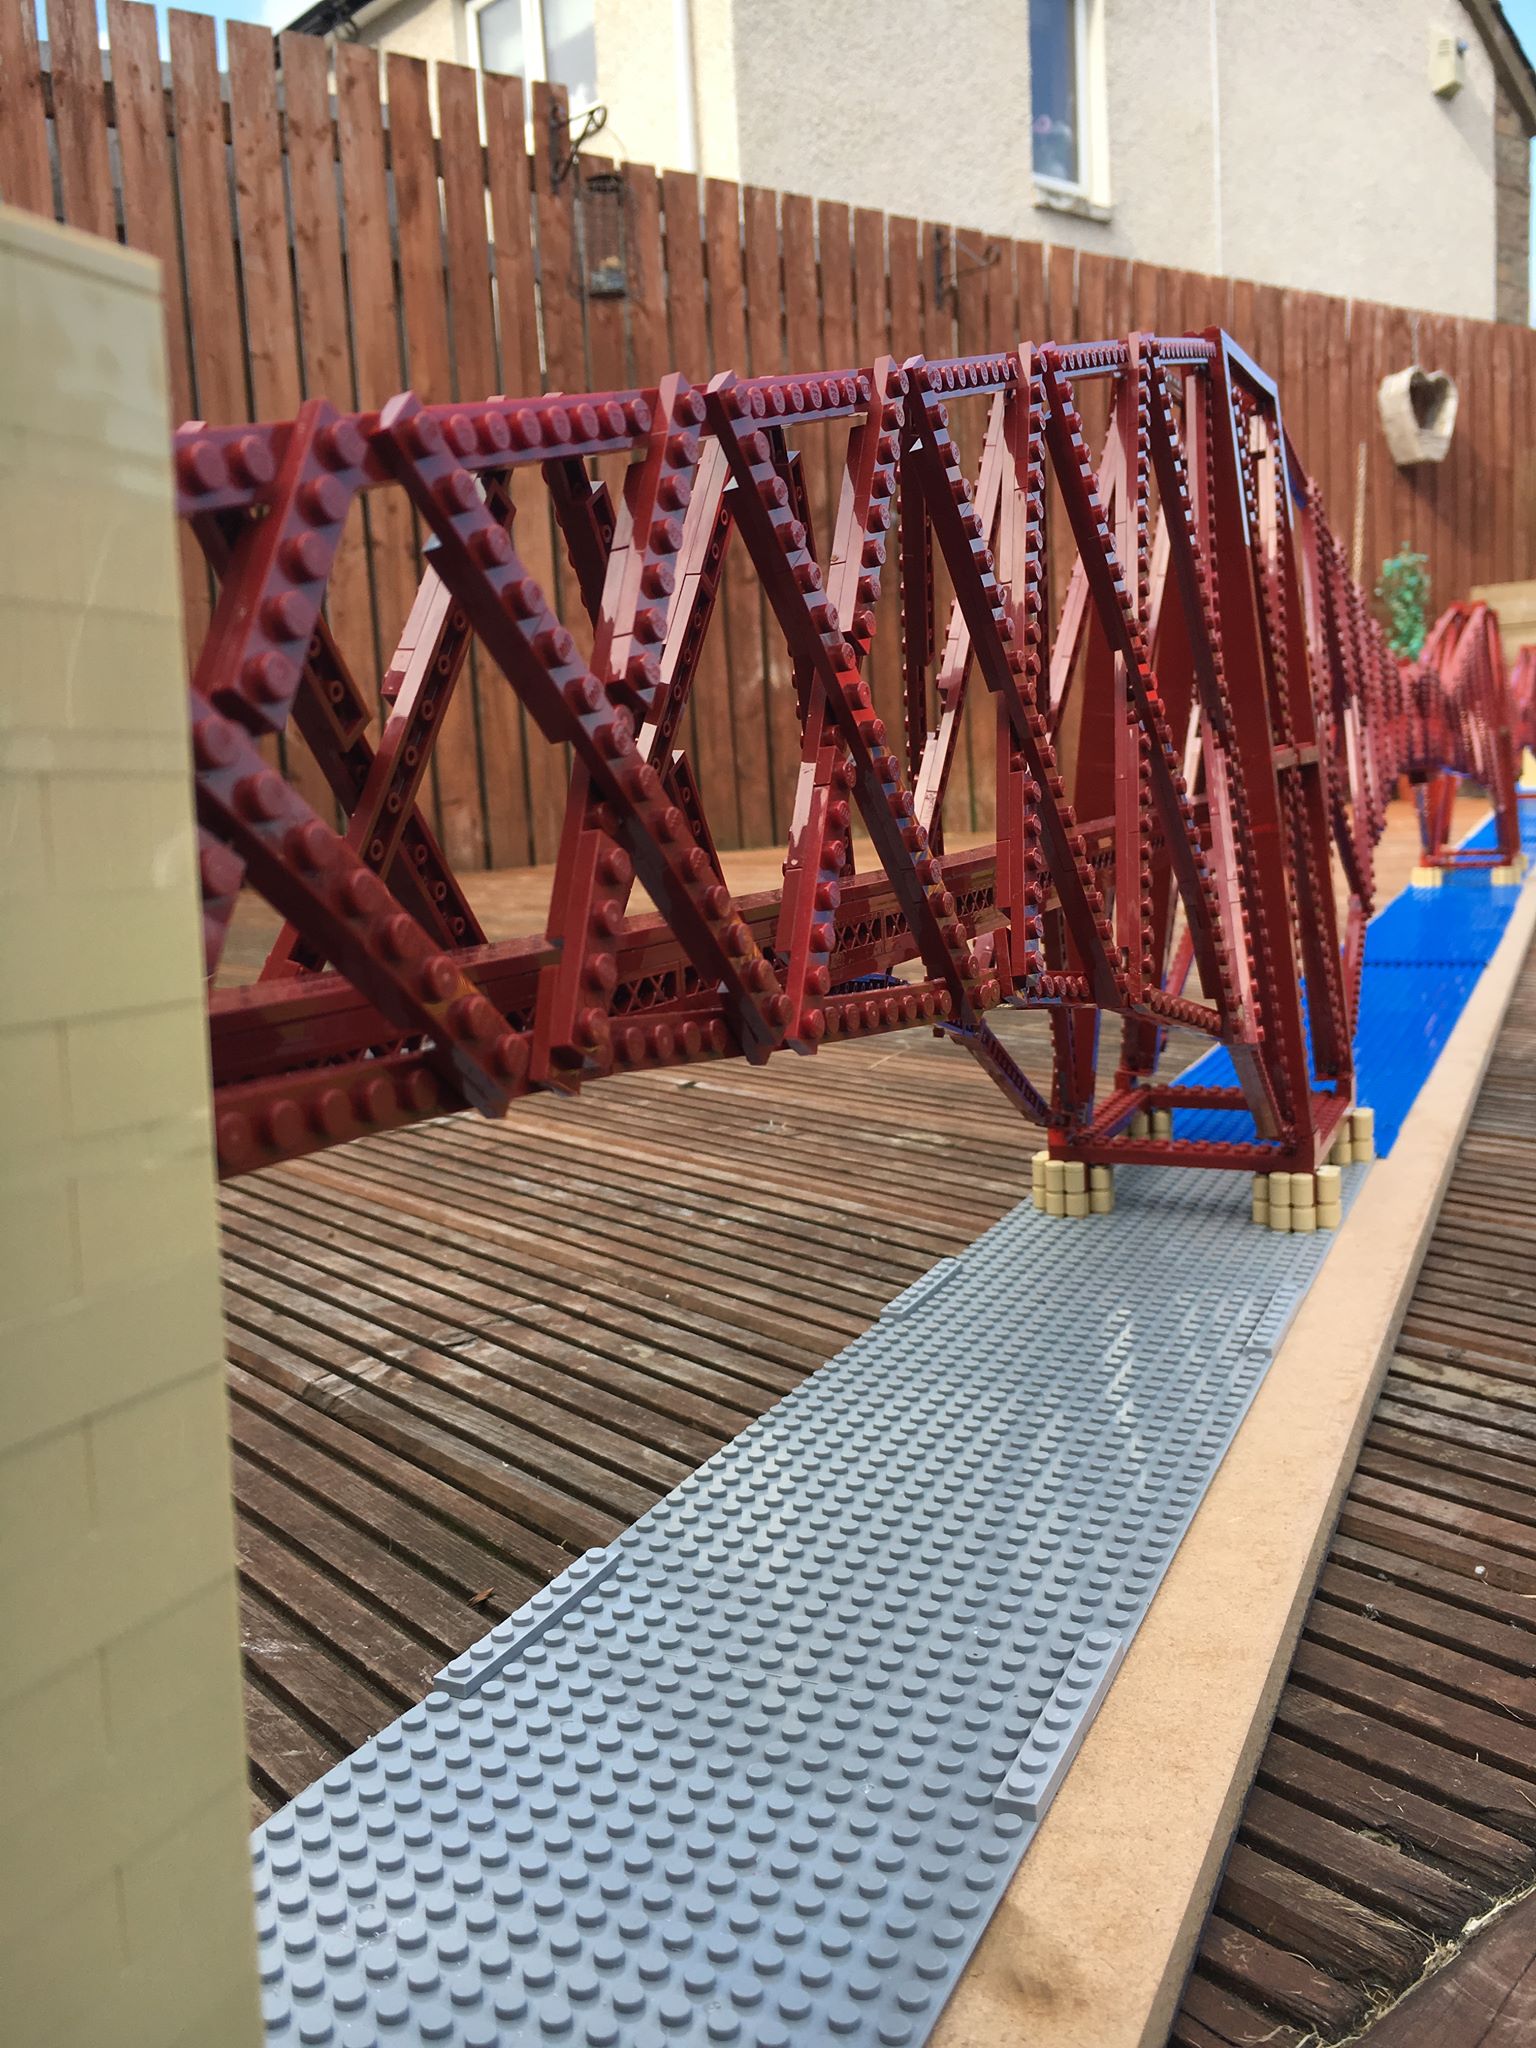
pixel 536 56
pixel 1088 192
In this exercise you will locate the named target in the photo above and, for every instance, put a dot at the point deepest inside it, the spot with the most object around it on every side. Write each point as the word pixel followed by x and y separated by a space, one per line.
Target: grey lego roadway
pixel 759 1772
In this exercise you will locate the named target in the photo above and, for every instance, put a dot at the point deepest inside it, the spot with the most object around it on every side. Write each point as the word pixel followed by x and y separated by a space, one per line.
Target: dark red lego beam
pixel 1209 728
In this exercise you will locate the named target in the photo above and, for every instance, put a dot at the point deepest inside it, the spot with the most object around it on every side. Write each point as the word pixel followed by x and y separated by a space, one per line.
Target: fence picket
pixel 148 196
pixel 711 713
pixel 503 729
pixel 26 177
pixel 80 116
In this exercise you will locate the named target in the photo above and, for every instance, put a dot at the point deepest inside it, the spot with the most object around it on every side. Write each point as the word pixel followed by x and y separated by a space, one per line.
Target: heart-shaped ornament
pixel 1418 414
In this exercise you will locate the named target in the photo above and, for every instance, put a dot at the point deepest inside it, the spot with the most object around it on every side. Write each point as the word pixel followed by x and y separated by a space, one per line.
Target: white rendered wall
pixel 1295 142
pixel 1337 168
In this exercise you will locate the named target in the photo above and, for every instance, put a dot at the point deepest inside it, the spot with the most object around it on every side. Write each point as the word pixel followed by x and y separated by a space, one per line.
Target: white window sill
pixel 1062 199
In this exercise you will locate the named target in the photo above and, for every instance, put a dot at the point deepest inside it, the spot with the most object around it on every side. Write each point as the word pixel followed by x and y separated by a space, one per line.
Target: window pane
pixel 570 48
pixel 1053 78
pixel 501 37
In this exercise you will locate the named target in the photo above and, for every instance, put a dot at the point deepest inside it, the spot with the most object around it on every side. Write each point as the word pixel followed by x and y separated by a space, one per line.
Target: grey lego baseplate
pixel 1059 1728
pixel 511 1639
pixel 759 1772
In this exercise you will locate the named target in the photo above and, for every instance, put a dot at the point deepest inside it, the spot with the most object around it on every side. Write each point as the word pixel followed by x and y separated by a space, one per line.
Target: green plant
pixel 1402 592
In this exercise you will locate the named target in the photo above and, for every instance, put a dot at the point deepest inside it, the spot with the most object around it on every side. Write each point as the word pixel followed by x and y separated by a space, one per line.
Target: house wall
pixel 438 29
pixel 1297 145
pixel 1301 147
pixel 125 1887
pixel 1340 169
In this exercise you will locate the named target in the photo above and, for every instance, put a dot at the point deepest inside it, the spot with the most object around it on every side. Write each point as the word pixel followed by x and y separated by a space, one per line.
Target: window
pixel 1054 44
pixel 1066 89
pixel 550 39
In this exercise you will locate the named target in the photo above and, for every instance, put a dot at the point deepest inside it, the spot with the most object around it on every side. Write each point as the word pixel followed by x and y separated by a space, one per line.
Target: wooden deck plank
pixel 1485 1997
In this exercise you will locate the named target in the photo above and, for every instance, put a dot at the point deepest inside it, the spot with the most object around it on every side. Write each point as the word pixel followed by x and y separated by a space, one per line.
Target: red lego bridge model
pixel 1463 714
pixel 1184 764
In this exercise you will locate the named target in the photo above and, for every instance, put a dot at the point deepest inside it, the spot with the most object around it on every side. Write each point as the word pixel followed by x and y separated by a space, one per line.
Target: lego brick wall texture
pixel 715 277
pixel 124 1902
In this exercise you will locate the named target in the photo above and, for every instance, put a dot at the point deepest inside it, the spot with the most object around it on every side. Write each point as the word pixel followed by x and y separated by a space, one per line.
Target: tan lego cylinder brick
pixel 125 1904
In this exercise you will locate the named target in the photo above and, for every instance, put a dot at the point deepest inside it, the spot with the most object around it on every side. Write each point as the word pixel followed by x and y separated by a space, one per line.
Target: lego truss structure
pixel 1197 728
pixel 1465 713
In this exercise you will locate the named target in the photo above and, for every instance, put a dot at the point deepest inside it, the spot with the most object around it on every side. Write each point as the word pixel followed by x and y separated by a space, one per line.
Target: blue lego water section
pixel 1424 952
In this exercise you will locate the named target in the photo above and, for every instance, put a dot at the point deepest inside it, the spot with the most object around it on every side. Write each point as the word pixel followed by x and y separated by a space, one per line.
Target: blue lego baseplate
pixel 1424 952
pixel 759 1772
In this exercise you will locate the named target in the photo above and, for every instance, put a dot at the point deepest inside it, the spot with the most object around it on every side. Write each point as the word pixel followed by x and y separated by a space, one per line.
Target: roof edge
pixel 1511 65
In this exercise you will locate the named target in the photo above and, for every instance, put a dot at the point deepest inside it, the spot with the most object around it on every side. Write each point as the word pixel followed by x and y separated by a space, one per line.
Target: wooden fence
pixel 336 226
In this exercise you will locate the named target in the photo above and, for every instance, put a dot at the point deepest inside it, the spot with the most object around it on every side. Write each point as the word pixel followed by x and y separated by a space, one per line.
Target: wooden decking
pixel 460 1355
pixel 1396 1800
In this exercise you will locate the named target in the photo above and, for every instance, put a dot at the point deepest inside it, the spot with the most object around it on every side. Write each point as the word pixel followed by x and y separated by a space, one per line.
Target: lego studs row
pixel 1301 1202
pixel 1066 1187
